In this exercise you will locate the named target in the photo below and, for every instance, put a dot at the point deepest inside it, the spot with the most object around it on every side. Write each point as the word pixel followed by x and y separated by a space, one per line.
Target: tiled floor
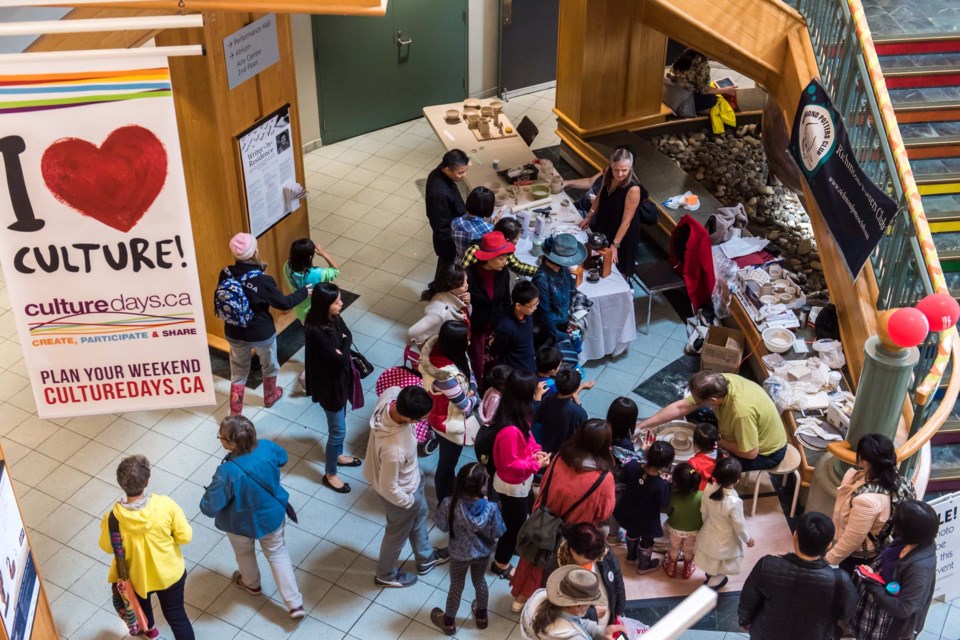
pixel 366 207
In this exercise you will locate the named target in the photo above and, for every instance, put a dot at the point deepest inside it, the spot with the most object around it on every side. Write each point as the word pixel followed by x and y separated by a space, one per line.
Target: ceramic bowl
pixel 766 289
pixel 785 298
pixel 775 271
pixel 778 339
pixel 453 114
pixel 782 283
pixel 496 105
pixel 768 299
pixel 471 103
pixel 486 112
pixel 539 191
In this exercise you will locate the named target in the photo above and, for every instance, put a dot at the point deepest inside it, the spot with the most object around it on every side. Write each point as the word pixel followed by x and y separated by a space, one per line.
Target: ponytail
pixel 471 482
pixel 879 451
pixel 726 474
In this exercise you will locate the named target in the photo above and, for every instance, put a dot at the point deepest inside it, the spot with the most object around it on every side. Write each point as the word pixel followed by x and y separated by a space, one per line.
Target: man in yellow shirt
pixel 750 426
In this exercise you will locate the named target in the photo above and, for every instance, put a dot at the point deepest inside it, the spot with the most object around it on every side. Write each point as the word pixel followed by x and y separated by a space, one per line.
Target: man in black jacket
pixel 798 596
pixel 444 203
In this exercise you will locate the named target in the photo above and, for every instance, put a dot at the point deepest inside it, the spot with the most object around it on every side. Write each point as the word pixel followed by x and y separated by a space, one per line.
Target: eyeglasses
pixel 532 305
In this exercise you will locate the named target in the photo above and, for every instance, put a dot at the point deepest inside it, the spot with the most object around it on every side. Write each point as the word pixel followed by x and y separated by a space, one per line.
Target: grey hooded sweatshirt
pixel 391 465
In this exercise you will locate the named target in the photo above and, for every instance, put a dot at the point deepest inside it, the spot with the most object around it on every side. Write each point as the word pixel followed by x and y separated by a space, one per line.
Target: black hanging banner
pixel 856 210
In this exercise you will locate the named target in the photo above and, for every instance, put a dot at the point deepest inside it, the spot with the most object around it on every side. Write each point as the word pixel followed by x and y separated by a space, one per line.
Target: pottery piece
pixel 556 185
pixel 769 299
pixel 453 114
pixel 471 103
pixel 486 112
pixel 484 125
pixel 539 191
pixel 776 271
pixel 766 289
pixel 786 298
pixel 473 120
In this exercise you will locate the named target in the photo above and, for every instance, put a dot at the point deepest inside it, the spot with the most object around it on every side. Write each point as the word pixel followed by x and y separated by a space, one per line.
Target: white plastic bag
pixel 830 352
pixel 635 628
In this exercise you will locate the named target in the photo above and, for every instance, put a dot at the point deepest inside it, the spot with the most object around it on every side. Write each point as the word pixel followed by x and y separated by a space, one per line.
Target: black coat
pixel 444 203
pixel 916 574
pixel 262 293
pixel 609 570
pixel 329 374
pixel 485 312
pixel 786 598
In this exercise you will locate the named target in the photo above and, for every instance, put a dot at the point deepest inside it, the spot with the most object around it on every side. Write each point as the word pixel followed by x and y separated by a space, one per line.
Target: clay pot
pixel 473 120
pixel 556 185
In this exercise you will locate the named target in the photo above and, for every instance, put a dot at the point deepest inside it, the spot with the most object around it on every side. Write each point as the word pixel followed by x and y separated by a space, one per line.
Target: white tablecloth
pixel 611 322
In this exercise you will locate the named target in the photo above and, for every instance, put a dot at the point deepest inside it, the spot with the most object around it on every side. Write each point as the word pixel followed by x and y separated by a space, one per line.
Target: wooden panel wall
pixel 333 7
pixel 210 115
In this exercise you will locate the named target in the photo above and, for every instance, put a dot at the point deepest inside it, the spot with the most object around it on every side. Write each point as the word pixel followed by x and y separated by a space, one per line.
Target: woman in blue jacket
pixel 248 504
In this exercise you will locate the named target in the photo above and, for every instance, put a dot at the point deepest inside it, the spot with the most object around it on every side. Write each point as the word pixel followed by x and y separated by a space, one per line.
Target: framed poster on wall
pixel 269 170
pixel 19 583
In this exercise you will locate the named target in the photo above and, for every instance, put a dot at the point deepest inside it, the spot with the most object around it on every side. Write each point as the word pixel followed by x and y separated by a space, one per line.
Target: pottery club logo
pixel 814 139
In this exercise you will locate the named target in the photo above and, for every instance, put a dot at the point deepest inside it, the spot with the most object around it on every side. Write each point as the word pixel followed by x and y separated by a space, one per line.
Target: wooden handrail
pixel 845 453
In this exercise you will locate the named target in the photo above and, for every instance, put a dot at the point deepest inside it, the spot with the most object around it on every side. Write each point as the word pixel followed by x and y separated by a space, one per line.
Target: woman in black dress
pixel 329 375
pixel 614 210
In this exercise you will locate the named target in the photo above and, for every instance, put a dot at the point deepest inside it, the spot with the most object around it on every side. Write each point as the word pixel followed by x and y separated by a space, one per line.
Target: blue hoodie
pixel 477 524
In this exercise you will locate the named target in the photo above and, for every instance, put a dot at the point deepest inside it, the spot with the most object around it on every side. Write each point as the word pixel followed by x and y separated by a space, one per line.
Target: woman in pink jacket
pixel 516 458
pixel 863 515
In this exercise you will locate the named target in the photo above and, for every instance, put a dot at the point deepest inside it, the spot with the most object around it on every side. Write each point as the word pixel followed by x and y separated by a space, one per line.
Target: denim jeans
pixel 275 551
pixel 336 432
pixel 241 355
pixel 171 603
pixel 763 462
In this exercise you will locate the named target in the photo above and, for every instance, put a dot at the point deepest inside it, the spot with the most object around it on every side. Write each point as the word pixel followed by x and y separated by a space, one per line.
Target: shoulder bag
pixel 124 596
pixel 291 512
pixel 538 537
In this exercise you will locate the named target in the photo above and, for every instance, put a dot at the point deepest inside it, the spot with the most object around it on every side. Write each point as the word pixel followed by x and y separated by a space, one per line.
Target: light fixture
pixel 113 54
pixel 146 23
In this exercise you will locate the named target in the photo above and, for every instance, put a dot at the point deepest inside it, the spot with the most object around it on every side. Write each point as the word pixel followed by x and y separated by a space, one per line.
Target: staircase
pixel 919 51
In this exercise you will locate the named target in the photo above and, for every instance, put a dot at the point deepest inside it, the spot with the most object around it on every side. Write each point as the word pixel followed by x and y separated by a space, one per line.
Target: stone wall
pixel 734 168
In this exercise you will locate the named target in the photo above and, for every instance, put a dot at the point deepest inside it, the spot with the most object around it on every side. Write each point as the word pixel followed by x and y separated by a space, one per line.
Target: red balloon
pixel 908 327
pixel 941 310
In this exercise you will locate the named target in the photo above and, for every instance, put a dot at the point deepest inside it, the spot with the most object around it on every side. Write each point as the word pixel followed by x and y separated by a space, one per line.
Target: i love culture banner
pixel 95 238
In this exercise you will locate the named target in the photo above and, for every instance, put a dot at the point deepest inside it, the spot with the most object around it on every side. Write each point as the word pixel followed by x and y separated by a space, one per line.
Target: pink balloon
pixel 908 327
pixel 941 310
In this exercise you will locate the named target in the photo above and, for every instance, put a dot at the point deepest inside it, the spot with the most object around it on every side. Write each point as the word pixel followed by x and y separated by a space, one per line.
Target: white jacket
pixel 442 307
pixel 723 534
pixel 559 629
pixel 391 465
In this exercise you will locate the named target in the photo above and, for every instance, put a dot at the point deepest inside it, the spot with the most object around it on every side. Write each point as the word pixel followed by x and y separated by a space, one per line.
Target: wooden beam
pixel 318 7
pixel 99 40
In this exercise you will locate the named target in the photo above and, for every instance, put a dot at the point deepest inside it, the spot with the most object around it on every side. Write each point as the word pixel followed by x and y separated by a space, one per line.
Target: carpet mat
pixel 289 342
pixel 668 384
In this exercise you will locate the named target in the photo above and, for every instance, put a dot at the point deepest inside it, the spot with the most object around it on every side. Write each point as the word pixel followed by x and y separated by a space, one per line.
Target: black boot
pixel 632 544
pixel 647 562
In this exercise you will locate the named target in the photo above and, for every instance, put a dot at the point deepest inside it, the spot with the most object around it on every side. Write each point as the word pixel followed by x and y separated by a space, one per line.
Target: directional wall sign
pixel 251 50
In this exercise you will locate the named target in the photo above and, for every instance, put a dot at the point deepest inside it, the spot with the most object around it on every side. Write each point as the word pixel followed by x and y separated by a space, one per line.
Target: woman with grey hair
pixel 248 504
pixel 614 211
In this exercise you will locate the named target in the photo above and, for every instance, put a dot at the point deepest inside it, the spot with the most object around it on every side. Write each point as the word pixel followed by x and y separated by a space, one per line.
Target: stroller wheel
pixel 428 447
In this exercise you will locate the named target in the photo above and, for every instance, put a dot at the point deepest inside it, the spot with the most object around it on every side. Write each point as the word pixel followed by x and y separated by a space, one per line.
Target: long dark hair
pixel 878 450
pixel 516 402
pixel 301 255
pixel 686 479
pixel 450 278
pixel 452 342
pixel 622 416
pixel 471 482
pixel 726 474
pixel 324 295
pixel 591 441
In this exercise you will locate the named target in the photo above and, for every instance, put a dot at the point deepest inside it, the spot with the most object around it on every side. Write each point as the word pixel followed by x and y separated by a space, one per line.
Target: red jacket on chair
pixel 692 258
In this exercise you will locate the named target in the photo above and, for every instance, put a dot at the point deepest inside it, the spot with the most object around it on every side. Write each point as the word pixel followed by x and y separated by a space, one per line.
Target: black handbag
pixel 648 212
pixel 291 512
pixel 363 366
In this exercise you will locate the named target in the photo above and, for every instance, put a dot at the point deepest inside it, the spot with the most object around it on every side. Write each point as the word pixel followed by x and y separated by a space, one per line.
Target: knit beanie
pixel 243 246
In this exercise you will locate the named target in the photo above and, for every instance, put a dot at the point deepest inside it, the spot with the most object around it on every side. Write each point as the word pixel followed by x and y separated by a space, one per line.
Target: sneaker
pixel 151 633
pixel 238 580
pixel 439 556
pixel 398 581
pixel 297 613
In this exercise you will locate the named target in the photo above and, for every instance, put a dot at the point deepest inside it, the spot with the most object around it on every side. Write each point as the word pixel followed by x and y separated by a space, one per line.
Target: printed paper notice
pixel 266 154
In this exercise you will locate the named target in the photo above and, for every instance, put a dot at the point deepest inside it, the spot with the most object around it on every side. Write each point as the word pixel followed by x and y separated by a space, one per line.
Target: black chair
pixel 653 277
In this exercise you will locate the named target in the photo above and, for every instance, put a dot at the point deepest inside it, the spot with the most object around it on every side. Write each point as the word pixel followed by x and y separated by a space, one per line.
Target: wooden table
pixel 510 152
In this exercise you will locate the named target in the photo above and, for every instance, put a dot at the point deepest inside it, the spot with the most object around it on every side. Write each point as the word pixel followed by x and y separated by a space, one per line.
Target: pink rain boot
pixel 236 398
pixel 670 565
pixel 271 392
pixel 688 568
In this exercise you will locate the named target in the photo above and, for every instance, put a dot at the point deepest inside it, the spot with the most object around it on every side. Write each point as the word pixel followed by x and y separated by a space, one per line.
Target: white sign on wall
pixel 266 155
pixel 948 546
pixel 95 238
pixel 19 584
pixel 251 50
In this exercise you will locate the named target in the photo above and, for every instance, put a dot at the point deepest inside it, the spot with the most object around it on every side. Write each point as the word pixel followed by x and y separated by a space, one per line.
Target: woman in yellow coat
pixel 152 528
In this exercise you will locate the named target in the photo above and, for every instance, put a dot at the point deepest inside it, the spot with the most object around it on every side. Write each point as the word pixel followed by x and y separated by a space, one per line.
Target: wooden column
pixel 210 115
pixel 609 69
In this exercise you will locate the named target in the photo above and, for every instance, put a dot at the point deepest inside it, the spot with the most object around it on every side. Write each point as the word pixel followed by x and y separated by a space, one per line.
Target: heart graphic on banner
pixel 116 183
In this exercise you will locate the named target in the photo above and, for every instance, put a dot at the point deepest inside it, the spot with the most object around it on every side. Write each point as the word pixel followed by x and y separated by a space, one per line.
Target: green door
pixel 375 72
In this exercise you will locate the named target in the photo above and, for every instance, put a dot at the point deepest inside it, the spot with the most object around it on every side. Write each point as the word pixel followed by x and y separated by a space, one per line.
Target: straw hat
pixel 573 586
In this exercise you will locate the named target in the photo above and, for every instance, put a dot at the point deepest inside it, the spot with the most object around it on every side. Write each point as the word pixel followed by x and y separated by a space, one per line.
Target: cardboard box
pixel 722 350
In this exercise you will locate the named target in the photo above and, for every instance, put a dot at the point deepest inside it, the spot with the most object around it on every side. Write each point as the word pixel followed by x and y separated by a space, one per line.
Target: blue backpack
pixel 230 300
